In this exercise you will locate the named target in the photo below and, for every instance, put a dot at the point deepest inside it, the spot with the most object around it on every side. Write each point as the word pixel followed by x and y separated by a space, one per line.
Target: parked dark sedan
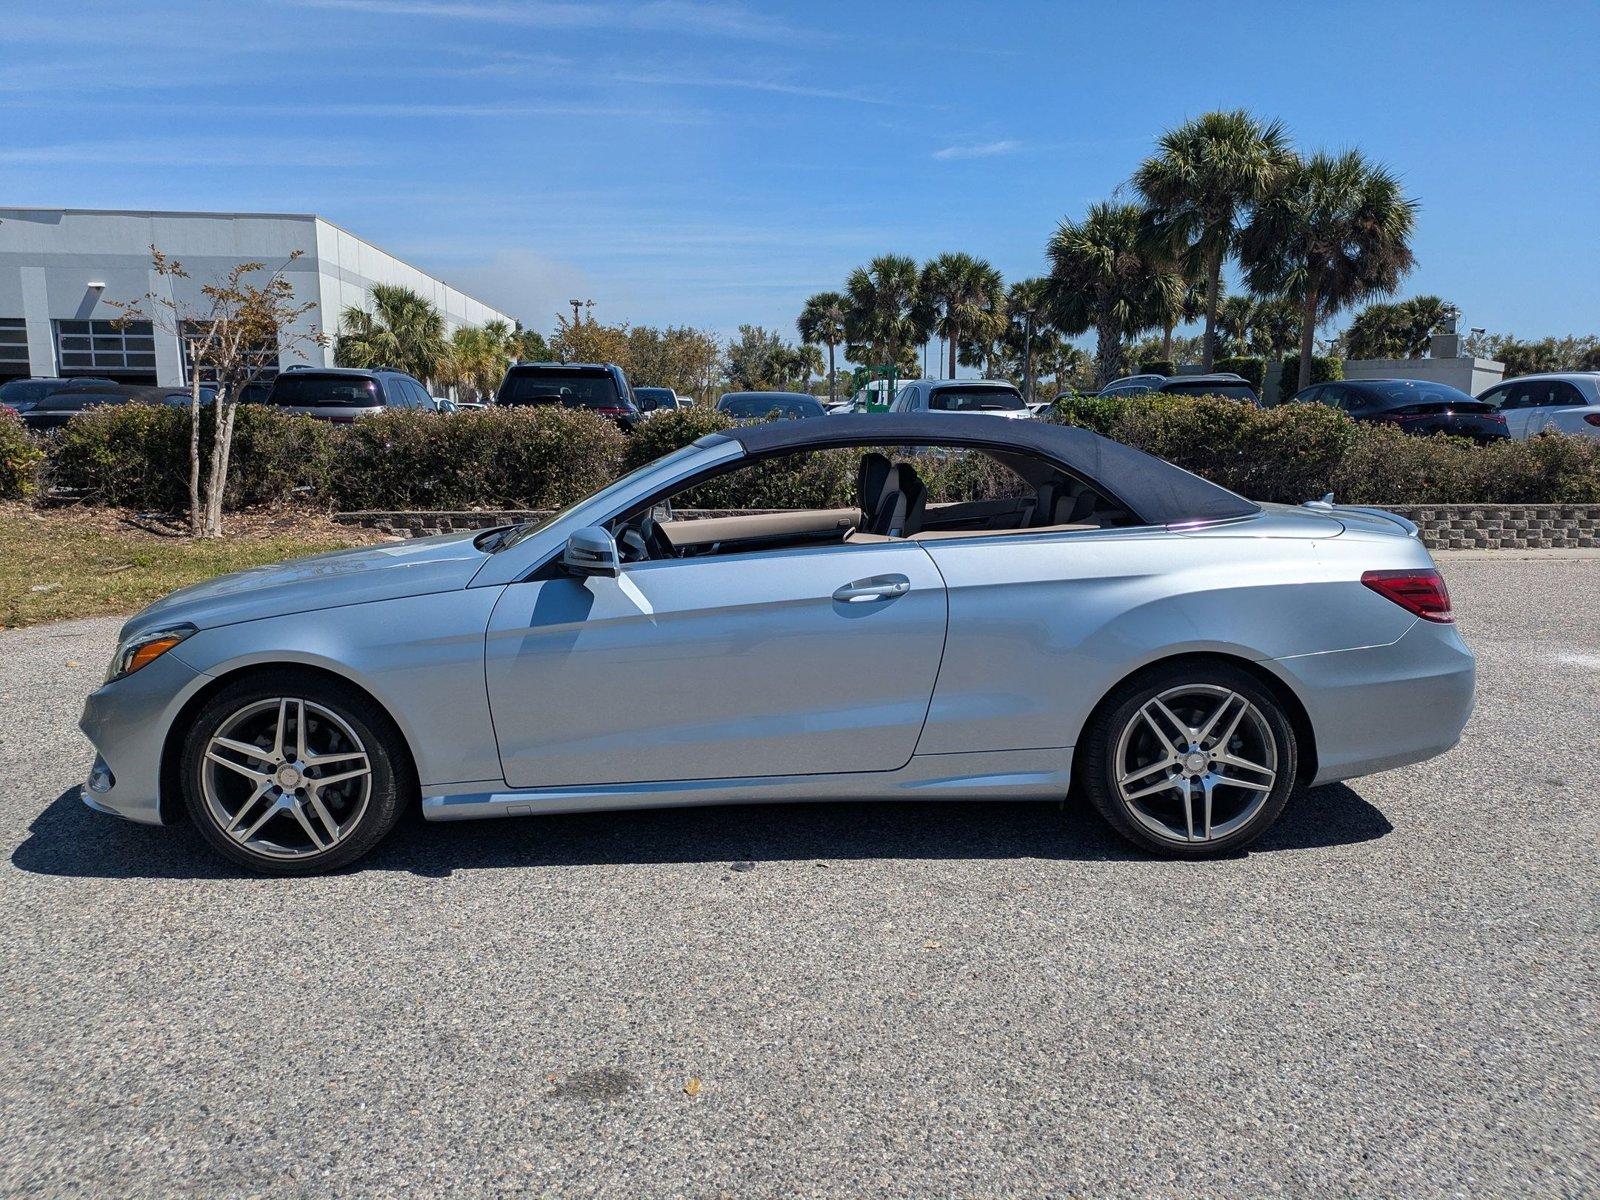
pixel 754 406
pixel 1415 405
pixel 56 409
pixel 19 395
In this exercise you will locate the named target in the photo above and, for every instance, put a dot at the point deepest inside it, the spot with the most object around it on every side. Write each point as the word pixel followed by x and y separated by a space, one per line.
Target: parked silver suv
pixel 344 393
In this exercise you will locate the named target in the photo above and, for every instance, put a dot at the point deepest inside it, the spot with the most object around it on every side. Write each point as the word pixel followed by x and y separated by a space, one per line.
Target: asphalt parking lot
pixel 1394 994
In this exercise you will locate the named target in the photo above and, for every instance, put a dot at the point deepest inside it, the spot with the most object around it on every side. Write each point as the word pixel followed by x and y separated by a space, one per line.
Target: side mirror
pixel 592 551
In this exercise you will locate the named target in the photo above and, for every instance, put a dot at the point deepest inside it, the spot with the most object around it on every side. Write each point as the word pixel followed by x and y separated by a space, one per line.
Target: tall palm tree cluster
pixel 405 331
pixel 892 307
pixel 1311 236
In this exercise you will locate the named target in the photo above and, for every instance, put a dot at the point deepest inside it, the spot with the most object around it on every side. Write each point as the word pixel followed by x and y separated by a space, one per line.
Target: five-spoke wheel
pixel 291 774
pixel 1190 760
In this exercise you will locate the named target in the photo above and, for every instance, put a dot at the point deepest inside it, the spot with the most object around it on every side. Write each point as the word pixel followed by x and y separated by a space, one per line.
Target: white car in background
pixel 1559 402
pixel 992 397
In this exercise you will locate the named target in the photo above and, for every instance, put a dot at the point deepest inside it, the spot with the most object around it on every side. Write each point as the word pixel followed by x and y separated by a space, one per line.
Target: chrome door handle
pixel 879 587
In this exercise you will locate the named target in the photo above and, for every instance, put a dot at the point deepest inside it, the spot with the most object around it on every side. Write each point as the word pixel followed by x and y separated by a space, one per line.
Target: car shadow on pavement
pixel 67 839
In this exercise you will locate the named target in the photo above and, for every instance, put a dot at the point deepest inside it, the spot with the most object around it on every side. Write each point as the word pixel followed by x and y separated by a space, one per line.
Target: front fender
pixel 420 657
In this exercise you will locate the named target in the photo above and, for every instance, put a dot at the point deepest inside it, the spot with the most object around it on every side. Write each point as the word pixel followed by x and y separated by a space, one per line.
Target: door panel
pixel 718 668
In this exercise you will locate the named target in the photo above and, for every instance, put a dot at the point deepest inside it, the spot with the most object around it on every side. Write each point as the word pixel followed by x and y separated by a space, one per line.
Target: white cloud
pixel 187 152
pixel 979 150
pixel 661 16
pixel 529 286
pixel 750 85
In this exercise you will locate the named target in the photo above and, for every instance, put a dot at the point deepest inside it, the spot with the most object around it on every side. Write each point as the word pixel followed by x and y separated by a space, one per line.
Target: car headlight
pixel 140 651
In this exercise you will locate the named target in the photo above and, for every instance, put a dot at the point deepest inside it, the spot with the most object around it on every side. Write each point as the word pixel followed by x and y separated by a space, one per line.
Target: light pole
pixel 581 304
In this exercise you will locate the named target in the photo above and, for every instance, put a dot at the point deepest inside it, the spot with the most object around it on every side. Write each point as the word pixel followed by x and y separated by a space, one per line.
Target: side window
pixel 1517 395
pixel 1495 396
pixel 1312 395
pixel 400 394
pixel 1559 394
pixel 420 395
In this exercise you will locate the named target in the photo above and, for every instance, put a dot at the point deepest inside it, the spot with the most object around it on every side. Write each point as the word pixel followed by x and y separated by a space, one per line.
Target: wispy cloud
pixel 979 150
pixel 186 152
pixel 660 16
pixel 407 110
pixel 750 85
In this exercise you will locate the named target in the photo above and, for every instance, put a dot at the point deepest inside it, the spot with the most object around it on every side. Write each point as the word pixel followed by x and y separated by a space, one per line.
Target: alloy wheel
pixel 1195 763
pixel 286 778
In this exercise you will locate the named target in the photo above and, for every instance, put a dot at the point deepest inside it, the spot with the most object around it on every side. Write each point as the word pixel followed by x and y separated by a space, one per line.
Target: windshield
pixel 529 528
pixel 1396 392
pixel 574 387
pixel 295 389
pixel 975 399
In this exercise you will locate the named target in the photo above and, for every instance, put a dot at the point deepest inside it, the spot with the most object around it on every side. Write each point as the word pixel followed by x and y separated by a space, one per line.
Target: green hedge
pixel 20 457
pixel 524 457
pixel 1157 366
pixel 137 456
pixel 1323 370
pixel 1297 452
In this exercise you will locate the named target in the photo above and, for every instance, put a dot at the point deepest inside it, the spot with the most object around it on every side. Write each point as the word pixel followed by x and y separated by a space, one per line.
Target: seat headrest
pixel 871 476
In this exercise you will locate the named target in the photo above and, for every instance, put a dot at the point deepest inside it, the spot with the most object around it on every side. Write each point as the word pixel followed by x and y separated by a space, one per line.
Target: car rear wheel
pixel 1190 761
pixel 293 774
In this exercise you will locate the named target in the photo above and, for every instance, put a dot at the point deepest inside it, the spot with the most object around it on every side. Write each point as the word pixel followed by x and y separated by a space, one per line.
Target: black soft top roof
pixel 1155 490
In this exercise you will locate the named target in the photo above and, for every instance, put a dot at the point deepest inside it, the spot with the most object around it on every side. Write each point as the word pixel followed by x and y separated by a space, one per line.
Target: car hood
pixel 358 576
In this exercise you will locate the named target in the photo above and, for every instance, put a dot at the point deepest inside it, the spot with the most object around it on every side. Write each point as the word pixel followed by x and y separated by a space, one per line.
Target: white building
pixel 59 268
pixel 1447 363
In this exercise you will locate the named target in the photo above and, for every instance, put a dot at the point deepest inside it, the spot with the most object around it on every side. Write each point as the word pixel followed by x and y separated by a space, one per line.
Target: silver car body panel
pixel 742 678
pixel 706 668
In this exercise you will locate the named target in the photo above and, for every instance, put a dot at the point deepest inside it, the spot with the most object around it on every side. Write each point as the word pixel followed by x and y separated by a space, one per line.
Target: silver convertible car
pixel 1103 623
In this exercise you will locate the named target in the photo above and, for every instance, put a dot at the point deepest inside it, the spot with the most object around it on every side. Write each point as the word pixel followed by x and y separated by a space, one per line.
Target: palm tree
pixel 1104 276
pixel 1274 326
pixel 1335 230
pixel 960 298
pixel 478 355
pixel 403 330
pixel 1201 185
pixel 1186 308
pixel 1029 337
pixel 1236 317
pixel 822 320
pixel 884 321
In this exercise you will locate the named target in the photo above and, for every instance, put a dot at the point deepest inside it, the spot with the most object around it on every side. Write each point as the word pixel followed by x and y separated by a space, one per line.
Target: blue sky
pixel 711 163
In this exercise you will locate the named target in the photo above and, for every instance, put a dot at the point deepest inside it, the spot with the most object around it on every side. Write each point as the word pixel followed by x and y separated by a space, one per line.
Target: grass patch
pixel 57 566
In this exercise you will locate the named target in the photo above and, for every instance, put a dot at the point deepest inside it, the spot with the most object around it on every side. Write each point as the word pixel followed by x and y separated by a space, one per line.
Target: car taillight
pixel 1591 418
pixel 1420 592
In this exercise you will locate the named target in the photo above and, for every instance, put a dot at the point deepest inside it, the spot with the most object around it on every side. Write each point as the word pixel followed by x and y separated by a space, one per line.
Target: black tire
pixel 1098 771
pixel 393 780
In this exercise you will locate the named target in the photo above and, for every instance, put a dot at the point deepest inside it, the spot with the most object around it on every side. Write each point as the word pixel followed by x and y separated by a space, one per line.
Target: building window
pixel 13 347
pixel 264 356
pixel 119 350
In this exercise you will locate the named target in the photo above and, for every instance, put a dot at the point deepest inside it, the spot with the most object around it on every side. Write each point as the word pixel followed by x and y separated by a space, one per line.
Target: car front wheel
pixel 293 774
pixel 1190 761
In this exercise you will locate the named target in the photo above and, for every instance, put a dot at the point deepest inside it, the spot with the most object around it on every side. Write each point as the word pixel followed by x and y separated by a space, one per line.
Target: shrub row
pixel 20 457
pixel 1297 452
pixel 137 456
